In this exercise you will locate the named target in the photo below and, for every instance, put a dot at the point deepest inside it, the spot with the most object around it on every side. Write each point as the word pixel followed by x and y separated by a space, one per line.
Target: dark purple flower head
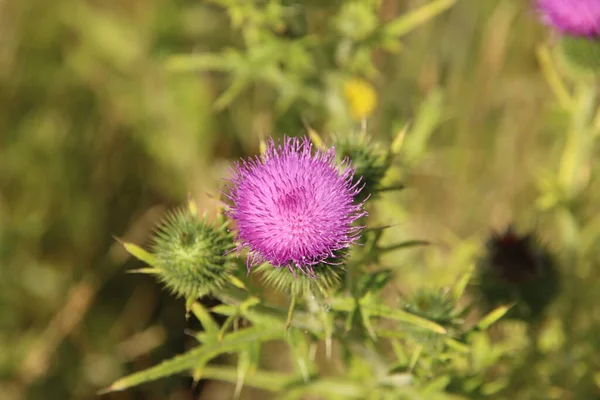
pixel 294 208
pixel 572 17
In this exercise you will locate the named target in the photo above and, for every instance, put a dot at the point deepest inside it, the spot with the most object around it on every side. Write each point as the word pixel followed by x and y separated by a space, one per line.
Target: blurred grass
pixel 98 136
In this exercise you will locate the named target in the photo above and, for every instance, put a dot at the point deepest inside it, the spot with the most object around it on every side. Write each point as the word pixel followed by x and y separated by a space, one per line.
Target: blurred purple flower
pixel 294 208
pixel 572 17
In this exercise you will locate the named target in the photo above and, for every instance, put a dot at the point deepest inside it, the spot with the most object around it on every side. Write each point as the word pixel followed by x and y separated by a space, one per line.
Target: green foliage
pixel 393 379
pixel 303 59
pixel 198 356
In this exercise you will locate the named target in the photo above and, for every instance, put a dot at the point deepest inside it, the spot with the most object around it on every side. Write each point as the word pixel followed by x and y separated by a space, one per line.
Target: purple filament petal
pixel 293 207
pixel 572 17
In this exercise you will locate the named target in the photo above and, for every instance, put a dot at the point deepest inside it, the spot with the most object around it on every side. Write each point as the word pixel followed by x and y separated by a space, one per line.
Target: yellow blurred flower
pixel 361 98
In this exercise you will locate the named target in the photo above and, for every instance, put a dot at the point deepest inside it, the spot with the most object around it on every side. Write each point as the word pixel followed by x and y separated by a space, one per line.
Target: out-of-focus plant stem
pixel 574 166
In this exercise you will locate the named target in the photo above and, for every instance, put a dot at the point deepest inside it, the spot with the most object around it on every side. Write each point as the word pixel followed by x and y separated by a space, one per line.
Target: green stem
pixel 290 313
pixel 576 152
pixel 226 325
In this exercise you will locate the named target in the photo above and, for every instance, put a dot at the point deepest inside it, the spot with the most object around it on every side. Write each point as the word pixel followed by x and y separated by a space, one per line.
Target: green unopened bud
pixel 192 254
pixel 581 54
pixel 435 305
pixel 369 159
pixel 356 20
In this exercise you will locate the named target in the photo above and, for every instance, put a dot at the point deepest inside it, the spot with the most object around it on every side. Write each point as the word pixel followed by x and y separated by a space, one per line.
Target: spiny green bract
pixel 192 254
pixel 326 278
pixel 370 161
pixel 582 54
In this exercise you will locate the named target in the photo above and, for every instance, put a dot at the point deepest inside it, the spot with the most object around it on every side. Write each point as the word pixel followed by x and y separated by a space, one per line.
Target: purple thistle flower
pixel 572 17
pixel 294 208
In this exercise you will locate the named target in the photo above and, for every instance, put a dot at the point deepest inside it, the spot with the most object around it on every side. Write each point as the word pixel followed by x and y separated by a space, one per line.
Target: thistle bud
pixel 192 254
pixel 434 305
pixel 517 269
pixel 370 161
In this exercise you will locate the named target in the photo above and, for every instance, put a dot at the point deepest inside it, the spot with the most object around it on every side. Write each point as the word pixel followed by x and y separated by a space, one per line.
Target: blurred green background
pixel 114 111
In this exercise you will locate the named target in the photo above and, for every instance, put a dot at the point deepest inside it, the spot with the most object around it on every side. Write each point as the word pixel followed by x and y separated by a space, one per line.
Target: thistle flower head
pixel 514 258
pixel 572 17
pixel 516 268
pixel 293 207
